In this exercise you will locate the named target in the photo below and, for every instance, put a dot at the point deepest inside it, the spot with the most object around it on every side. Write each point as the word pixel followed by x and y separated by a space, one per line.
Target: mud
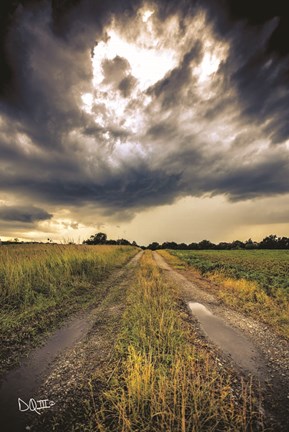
pixel 251 347
pixel 228 339
pixel 24 382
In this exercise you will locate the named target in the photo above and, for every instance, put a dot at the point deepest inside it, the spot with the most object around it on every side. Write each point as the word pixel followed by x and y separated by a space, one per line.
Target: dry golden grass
pixel 161 381
pixel 30 272
pixel 40 285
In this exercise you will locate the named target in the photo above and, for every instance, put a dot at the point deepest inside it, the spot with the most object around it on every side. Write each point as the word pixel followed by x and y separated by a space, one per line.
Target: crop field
pixel 41 284
pixel 269 268
pixel 253 281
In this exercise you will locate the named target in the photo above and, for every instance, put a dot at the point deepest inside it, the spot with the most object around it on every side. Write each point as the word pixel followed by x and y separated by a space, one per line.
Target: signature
pixel 34 405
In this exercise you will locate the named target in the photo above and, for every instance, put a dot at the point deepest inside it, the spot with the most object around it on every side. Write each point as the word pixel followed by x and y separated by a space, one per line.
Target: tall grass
pixel 162 382
pixel 32 272
pixel 40 285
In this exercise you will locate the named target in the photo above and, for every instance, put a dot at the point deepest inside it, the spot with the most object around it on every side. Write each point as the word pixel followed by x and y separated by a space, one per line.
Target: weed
pixel 161 382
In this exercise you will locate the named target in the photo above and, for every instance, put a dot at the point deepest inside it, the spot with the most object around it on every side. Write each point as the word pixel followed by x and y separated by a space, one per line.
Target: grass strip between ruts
pixel 162 381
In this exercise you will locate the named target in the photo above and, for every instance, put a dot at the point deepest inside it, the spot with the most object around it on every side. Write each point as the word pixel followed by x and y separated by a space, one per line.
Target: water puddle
pixel 24 381
pixel 228 339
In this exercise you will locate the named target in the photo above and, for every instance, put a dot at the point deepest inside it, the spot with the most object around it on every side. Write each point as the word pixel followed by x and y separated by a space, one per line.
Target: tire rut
pixel 250 346
pixel 61 364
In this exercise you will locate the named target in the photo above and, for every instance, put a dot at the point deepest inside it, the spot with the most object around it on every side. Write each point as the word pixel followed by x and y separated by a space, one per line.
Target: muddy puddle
pixel 228 339
pixel 24 381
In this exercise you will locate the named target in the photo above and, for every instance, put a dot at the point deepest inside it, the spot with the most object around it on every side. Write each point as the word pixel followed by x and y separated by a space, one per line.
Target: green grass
pixel 255 282
pixel 269 268
pixel 162 381
pixel 42 284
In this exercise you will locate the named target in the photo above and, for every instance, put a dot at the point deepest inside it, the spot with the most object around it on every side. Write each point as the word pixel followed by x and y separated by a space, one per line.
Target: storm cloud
pixel 23 214
pixel 121 106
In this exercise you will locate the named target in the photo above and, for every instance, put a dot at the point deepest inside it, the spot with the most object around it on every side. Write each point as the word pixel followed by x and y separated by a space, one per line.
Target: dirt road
pixel 250 347
pixel 57 370
pixel 83 348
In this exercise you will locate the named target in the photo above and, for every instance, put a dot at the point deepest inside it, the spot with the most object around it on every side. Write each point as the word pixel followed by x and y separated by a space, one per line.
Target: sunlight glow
pixel 87 99
pixel 148 65
pixel 209 65
pixel 146 15
pixel 130 60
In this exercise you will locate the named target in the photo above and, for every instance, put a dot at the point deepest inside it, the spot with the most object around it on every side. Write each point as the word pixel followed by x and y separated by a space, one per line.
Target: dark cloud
pixel 67 142
pixel 126 85
pixel 117 73
pixel 170 88
pixel 265 179
pixel 27 214
pixel 260 12
pixel 115 69
pixel 259 62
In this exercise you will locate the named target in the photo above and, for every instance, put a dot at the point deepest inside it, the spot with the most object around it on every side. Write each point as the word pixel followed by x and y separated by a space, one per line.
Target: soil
pixel 60 370
pixel 83 350
pixel 248 346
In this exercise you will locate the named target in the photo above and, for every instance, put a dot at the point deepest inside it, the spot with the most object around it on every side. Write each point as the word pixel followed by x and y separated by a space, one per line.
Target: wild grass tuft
pixel 161 381
pixel 42 284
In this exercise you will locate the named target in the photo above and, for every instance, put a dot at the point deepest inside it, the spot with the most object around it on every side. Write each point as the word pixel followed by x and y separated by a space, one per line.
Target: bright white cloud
pixel 148 51
pixel 148 63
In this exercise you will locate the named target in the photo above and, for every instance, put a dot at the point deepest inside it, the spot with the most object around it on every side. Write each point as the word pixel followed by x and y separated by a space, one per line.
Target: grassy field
pixel 41 284
pixel 161 380
pixel 255 282
pixel 160 376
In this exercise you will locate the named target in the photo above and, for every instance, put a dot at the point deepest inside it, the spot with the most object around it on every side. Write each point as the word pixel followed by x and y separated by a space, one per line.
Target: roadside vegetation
pixel 161 379
pixel 42 284
pixel 255 282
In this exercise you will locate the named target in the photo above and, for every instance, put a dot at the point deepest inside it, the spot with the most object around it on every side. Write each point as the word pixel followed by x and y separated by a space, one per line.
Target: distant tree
pixel 283 243
pixel 250 244
pixel 223 246
pixel 111 242
pixel 165 245
pixel 193 246
pixel 154 246
pixel 99 238
pixel 237 244
pixel 182 246
pixel 123 242
pixel 269 242
pixel 206 244
pixel 170 245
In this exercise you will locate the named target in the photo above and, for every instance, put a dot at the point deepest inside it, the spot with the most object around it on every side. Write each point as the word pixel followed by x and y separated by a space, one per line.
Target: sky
pixel 146 120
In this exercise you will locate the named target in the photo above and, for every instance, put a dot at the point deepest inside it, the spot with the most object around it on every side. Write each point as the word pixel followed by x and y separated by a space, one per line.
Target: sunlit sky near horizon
pixel 151 121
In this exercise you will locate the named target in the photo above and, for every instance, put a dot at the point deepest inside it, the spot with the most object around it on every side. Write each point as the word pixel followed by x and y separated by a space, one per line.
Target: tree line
pixel 101 239
pixel 270 242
